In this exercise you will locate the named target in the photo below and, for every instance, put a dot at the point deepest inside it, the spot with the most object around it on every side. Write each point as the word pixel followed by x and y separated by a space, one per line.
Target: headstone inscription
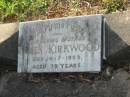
pixel 71 44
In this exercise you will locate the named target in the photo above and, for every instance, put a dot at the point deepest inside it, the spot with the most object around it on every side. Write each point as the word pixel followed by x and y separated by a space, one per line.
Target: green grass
pixel 21 10
pixel 113 5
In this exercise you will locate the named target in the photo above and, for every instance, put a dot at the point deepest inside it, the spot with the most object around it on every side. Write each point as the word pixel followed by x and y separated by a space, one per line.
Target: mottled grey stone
pixel 72 44
pixel 16 85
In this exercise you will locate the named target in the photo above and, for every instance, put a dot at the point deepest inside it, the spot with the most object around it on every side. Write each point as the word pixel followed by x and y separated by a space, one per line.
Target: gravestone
pixel 72 44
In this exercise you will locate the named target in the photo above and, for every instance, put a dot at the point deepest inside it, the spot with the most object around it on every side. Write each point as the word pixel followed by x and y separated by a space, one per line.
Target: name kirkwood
pixel 65 48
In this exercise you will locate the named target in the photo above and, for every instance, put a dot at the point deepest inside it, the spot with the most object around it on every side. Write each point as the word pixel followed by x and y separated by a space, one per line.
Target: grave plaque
pixel 71 44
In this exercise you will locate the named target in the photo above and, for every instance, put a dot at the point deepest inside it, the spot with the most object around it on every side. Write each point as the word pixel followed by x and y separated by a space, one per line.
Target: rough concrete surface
pixel 117 37
pixel 8 40
pixel 16 85
pixel 8 44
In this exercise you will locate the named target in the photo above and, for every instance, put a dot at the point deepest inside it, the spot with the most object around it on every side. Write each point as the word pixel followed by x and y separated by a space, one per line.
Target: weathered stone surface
pixel 8 43
pixel 71 44
pixel 16 85
pixel 118 37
